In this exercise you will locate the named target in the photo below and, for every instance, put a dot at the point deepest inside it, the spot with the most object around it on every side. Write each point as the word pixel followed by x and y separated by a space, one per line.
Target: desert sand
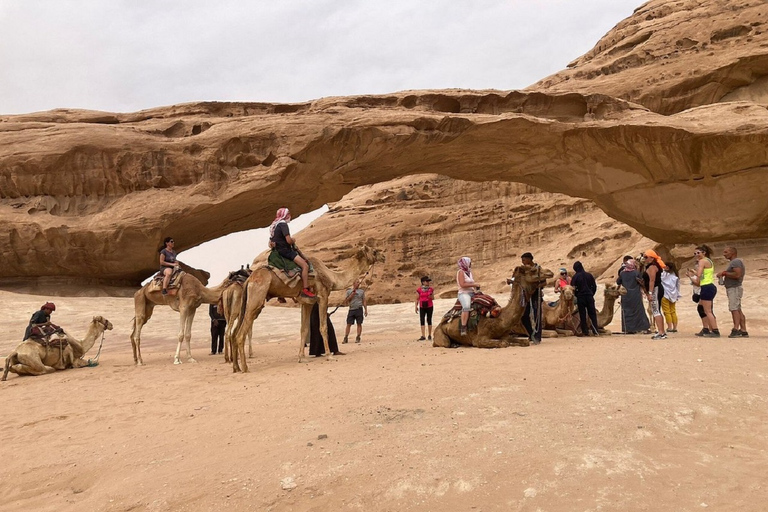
pixel 611 423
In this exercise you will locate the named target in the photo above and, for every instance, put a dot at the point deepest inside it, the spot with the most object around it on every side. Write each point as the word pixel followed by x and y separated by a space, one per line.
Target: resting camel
pixel 263 285
pixel 561 314
pixel 185 299
pixel 33 358
pixel 605 315
pixel 495 332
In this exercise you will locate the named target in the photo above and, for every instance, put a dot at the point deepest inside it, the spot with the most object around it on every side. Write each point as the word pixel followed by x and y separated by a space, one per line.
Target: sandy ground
pixel 614 423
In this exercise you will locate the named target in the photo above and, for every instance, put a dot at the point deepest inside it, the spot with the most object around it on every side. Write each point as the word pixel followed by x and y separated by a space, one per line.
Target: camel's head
pixel 530 278
pixel 370 255
pixel 103 321
pixel 567 293
pixel 614 290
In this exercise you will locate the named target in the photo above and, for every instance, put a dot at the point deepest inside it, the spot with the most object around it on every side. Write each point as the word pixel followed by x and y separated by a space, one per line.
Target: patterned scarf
pixel 464 264
pixel 282 215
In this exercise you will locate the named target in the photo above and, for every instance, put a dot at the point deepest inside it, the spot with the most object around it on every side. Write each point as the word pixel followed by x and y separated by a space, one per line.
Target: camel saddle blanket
pixel 42 334
pixel 288 271
pixel 482 306
pixel 238 276
pixel 157 281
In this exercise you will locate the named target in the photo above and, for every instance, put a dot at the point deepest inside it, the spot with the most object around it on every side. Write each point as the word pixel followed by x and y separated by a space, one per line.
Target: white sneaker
pixel 660 336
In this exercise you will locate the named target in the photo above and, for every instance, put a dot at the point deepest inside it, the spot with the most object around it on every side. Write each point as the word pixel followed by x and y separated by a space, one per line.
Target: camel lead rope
pixel 95 361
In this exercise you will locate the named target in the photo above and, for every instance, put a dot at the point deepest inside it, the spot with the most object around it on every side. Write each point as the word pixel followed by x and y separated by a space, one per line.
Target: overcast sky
pixel 130 55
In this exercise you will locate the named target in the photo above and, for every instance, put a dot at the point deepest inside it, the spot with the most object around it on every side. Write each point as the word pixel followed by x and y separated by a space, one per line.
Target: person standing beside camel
pixel 358 310
pixel 670 280
pixel 168 263
pixel 218 328
pixel 654 289
pixel 585 287
pixel 280 236
pixel 532 316
pixel 734 277
pixel 562 281
pixel 425 294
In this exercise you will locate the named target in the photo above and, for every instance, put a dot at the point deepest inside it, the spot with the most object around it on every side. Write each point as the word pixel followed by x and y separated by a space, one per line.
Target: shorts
pixel 655 305
pixel 355 315
pixel 734 297
pixel 466 301
pixel 288 254
pixel 708 292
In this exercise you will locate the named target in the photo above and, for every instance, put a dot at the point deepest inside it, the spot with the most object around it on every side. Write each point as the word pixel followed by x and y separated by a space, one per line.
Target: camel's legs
pixel 143 314
pixel 483 343
pixel 254 297
pixel 306 313
pixel 30 366
pixel 440 339
pixel 185 334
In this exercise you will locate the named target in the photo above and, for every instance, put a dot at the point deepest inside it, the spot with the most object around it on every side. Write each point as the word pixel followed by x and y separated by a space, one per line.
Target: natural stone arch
pixel 86 200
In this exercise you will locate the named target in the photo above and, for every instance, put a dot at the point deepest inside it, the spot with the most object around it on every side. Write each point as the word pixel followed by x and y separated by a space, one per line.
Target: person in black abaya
pixel 316 346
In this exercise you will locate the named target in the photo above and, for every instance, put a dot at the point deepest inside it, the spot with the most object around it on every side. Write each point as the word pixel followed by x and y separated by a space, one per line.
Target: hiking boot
pixel 357 339
pixel 702 332
pixel 345 340
pixel 660 336
pixel 712 334
pixel 306 292
pixel 744 334
pixel 735 333
pixel 422 338
pixel 164 292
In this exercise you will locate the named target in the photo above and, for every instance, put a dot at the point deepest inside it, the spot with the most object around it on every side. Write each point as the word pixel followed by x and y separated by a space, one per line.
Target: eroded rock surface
pixel 89 195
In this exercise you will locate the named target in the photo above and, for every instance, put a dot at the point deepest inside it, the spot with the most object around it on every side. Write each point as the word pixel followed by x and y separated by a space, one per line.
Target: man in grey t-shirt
pixel 358 309
pixel 733 277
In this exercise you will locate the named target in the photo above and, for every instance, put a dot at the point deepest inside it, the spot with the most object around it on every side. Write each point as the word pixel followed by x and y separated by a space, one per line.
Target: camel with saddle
pixel 268 282
pixel 55 351
pixel 229 306
pixel 185 294
pixel 494 332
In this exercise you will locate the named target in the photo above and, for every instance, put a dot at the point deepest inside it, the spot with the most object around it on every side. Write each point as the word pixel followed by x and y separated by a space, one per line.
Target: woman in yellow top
pixel 704 276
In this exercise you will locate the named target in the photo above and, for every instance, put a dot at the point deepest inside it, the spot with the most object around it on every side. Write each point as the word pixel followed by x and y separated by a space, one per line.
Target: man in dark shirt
pixel 218 326
pixel 532 307
pixel 585 287
pixel 43 316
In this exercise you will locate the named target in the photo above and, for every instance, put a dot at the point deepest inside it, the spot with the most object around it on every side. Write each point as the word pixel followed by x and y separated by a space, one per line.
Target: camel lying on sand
pixel 495 332
pixel 263 284
pixel 33 358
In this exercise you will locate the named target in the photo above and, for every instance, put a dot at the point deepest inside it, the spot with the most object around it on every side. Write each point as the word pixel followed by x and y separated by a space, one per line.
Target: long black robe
pixel 316 347
pixel 633 316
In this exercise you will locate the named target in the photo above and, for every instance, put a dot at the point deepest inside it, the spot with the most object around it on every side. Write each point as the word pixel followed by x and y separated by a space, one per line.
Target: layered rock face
pixel 426 223
pixel 89 195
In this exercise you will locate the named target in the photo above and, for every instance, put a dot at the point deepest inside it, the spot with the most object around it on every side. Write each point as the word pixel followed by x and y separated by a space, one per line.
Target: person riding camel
pixel 40 323
pixel 284 244
pixel 467 288
pixel 168 263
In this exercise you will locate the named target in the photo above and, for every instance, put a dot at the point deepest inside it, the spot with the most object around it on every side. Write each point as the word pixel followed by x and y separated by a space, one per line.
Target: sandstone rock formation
pixel 89 195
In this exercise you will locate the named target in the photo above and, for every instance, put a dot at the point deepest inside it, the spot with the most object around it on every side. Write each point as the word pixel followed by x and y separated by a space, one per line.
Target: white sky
pixel 127 55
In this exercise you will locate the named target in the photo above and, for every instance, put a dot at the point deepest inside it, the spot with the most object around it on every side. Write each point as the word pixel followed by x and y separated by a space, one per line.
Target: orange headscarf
pixel 650 253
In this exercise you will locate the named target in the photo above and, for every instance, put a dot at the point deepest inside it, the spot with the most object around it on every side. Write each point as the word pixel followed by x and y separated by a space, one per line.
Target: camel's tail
pixel 8 361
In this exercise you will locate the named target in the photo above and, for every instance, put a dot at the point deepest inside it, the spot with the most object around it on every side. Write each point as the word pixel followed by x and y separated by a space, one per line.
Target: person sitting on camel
pixel 467 288
pixel 168 263
pixel 42 319
pixel 280 238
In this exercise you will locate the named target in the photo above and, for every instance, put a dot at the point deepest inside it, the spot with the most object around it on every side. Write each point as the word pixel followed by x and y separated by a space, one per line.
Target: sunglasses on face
pixel 697 252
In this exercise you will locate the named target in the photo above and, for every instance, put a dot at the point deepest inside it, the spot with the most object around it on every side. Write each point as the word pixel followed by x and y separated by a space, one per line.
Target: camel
pixel 33 358
pixel 229 306
pixel 556 316
pixel 495 332
pixel 263 285
pixel 605 315
pixel 185 299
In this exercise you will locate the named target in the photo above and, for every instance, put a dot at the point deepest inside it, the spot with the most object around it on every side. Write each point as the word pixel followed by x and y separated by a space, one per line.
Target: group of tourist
pixel 647 276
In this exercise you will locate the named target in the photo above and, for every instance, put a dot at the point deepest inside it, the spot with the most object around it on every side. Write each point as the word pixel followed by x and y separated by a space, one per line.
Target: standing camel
pixel 34 358
pixel 188 297
pixel 263 284
pixel 229 306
